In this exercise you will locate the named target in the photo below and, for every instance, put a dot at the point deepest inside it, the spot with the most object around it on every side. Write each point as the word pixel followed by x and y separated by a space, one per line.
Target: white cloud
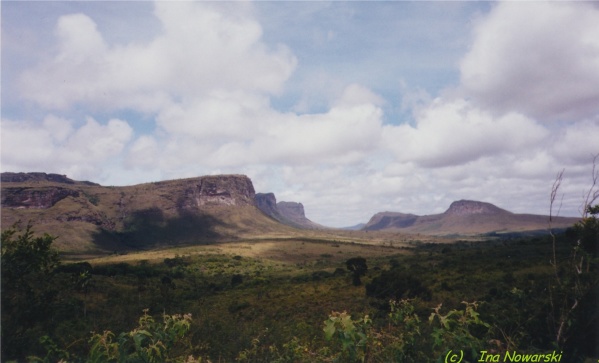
pixel 201 50
pixel 204 82
pixel 57 146
pixel 538 58
pixel 456 132
pixel 340 135
pixel 577 143
pixel 234 129
pixel 79 39
pixel 208 48
pixel 143 153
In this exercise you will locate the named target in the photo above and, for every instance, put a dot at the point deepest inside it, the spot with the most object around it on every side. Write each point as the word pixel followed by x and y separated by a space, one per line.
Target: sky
pixel 350 108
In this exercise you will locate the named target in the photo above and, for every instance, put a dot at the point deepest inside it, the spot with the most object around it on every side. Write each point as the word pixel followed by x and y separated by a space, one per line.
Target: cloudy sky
pixel 350 108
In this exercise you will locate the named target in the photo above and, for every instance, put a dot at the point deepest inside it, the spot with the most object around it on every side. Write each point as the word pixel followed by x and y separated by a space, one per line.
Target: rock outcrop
pixel 292 210
pixel 470 207
pixel 289 213
pixel 267 203
pixel 41 198
pixel 225 190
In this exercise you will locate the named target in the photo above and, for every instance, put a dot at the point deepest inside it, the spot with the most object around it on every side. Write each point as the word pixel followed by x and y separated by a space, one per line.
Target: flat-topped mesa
pixel 267 203
pixel 292 209
pixel 470 207
pixel 228 190
pixel 289 213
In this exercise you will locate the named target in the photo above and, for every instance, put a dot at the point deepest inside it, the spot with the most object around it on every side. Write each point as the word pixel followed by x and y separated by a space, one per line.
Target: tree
pixel 27 295
pixel 24 255
pixel 358 266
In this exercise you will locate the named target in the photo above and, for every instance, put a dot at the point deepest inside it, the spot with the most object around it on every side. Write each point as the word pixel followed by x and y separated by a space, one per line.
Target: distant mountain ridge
pixel 465 217
pixel 90 218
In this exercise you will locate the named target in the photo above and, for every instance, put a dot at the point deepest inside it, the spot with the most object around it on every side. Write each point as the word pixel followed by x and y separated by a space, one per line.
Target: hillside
pixel 465 217
pixel 92 218
pixel 289 213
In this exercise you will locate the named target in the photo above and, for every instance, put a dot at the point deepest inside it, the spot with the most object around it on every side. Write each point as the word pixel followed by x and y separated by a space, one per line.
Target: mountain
pixel 465 217
pixel 289 213
pixel 92 218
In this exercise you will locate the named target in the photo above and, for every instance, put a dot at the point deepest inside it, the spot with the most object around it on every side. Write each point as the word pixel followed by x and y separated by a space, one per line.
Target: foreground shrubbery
pixel 349 340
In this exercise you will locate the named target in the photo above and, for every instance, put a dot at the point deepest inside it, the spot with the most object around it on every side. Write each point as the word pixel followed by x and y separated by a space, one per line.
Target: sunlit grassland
pixel 283 251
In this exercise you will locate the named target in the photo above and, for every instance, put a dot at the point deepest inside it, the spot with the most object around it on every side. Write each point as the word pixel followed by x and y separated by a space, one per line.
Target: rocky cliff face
pixel 40 198
pixel 295 215
pixel 289 213
pixel 292 210
pixel 470 207
pixel 267 203
pixel 225 190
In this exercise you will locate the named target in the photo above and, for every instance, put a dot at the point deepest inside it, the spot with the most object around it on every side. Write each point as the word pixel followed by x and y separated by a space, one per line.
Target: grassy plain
pixel 285 251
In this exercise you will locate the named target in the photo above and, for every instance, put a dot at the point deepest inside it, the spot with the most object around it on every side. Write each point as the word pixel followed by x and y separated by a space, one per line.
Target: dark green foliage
pixel 397 284
pixel 236 279
pixel 573 309
pixel 339 271
pixel 28 297
pixel 176 261
pixel 358 266
pixel 238 306
pixel 320 275
pixel 74 268
pixel 24 255
pixel 586 232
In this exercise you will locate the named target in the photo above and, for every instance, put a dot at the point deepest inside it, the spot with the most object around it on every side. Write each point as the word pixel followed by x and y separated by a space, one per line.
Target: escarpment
pixel 88 216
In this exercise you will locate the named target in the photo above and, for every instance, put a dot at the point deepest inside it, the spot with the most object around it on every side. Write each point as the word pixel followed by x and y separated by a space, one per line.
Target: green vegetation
pixel 254 303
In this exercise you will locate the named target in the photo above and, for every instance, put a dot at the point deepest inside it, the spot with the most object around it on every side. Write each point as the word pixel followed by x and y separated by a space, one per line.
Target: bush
pixel 148 342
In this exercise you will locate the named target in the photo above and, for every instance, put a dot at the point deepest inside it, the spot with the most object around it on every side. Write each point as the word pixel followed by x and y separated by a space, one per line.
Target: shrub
pixel 150 341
